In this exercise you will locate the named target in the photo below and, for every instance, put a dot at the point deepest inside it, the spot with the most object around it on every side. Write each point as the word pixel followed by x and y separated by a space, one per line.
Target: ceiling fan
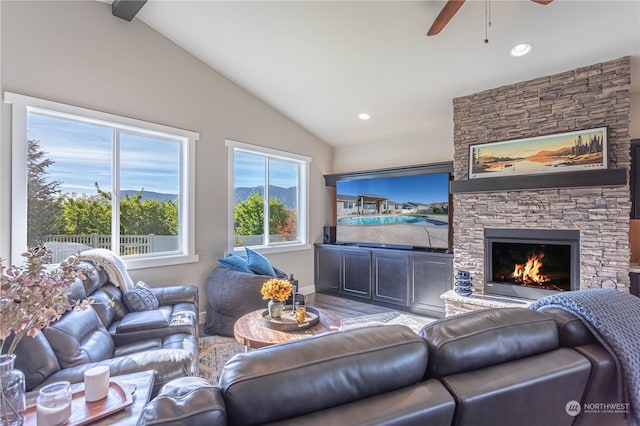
pixel 450 9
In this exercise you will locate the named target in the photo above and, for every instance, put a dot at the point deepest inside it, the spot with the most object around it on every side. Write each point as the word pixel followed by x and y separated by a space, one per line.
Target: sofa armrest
pixel 186 401
pixel 176 294
pixel 143 320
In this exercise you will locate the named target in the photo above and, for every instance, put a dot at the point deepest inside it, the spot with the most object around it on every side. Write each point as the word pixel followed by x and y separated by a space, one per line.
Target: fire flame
pixel 529 272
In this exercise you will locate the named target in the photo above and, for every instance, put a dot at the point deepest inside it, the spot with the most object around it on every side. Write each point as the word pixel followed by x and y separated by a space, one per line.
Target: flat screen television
pixel 405 212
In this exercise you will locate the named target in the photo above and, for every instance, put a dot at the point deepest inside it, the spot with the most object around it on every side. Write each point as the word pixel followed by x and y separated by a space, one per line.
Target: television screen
pixel 403 211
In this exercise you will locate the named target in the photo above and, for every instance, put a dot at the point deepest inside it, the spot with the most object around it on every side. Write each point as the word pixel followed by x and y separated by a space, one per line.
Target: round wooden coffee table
pixel 250 330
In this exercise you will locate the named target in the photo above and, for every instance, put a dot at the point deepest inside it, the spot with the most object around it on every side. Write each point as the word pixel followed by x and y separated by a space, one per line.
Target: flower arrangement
pixel 276 289
pixel 34 295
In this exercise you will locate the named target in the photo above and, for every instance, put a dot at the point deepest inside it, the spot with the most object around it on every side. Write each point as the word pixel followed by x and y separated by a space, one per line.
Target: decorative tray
pixel 287 322
pixel 83 412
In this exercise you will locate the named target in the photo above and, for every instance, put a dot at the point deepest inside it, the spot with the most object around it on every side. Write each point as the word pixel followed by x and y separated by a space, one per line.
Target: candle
pixel 53 407
pixel 53 416
pixel 301 314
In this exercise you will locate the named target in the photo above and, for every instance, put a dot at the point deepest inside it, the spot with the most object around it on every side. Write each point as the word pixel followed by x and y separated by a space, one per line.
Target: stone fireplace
pixel 595 210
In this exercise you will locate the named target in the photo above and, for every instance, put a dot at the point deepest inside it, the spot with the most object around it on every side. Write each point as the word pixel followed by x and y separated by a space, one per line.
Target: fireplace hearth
pixel 531 263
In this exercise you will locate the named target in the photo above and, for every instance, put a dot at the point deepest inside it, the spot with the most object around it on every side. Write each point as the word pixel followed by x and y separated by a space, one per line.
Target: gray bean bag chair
pixel 231 294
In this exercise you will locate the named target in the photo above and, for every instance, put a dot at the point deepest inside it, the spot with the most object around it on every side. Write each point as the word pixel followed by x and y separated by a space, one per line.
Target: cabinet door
pixel 356 273
pixel 635 284
pixel 430 277
pixel 328 262
pixel 391 277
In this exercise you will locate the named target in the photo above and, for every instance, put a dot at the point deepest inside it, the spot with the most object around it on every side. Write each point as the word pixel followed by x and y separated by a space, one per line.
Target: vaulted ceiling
pixel 323 62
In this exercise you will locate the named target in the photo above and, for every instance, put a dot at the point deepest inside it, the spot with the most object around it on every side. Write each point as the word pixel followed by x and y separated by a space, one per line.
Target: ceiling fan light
pixel 364 116
pixel 521 49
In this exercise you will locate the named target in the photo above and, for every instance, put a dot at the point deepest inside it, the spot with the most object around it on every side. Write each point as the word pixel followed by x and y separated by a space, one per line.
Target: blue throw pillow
pixel 236 263
pixel 259 264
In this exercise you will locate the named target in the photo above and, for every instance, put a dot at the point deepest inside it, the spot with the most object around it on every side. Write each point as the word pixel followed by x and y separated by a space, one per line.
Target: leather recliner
pixel 106 333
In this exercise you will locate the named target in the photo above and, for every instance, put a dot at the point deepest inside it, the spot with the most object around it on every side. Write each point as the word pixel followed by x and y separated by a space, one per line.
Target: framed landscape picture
pixel 563 152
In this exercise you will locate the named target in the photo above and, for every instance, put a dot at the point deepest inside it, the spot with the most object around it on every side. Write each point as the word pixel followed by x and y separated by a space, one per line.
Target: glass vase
pixel 275 308
pixel 12 396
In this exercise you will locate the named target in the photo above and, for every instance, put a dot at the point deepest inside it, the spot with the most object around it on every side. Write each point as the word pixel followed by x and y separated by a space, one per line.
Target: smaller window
pixel 267 198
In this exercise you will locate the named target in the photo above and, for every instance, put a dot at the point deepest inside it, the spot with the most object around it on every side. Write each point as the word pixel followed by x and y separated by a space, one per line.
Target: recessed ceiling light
pixel 521 49
pixel 364 116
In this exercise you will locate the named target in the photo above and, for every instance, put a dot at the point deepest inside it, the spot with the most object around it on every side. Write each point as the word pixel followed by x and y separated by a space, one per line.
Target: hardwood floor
pixel 347 308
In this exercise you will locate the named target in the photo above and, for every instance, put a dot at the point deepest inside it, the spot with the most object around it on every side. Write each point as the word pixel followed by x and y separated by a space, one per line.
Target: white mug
pixel 96 383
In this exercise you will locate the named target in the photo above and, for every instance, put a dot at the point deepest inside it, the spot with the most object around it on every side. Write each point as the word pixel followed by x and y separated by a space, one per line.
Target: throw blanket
pixel 112 264
pixel 613 318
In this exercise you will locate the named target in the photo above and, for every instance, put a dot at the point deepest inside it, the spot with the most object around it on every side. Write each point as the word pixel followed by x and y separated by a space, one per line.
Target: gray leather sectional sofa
pixel 107 333
pixel 509 366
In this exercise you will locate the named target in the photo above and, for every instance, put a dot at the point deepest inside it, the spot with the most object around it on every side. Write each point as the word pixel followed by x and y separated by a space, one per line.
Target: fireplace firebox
pixel 531 263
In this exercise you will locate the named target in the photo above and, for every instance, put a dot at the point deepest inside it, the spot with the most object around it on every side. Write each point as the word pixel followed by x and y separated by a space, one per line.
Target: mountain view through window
pixel 74 169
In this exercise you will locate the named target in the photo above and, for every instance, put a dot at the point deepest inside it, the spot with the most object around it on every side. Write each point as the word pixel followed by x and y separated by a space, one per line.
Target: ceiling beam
pixel 126 9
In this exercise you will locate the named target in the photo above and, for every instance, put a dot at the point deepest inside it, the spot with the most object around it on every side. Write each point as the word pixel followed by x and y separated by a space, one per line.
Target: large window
pixel 84 179
pixel 268 199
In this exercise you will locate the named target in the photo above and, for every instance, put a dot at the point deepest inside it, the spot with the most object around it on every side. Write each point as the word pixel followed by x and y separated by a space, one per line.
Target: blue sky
pixel 249 171
pixel 82 155
pixel 426 189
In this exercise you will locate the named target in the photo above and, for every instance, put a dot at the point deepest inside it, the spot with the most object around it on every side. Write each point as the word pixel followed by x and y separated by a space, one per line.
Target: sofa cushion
pixel 236 263
pixel 36 359
pixel 102 304
pixel 116 301
pixel 487 337
pixel 77 291
pixel 95 277
pixel 530 391
pixel 140 298
pixel 259 264
pixel 79 337
pixel 323 371
pixel 425 404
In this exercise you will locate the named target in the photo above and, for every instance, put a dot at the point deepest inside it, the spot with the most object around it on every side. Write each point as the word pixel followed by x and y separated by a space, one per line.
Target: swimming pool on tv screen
pixel 387 220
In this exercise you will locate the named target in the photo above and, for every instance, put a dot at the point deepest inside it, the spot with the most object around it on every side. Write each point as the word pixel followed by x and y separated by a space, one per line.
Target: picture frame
pixel 557 153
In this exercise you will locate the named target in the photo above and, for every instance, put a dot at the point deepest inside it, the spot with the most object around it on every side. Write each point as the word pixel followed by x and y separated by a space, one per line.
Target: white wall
pixel 77 53
pixel 396 152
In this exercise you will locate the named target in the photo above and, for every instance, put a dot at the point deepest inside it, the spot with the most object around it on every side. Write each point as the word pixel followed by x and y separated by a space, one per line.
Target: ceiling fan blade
pixel 545 2
pixel 445 15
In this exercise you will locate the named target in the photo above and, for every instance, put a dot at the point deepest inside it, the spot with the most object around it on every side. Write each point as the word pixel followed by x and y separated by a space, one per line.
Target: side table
pixel 250 330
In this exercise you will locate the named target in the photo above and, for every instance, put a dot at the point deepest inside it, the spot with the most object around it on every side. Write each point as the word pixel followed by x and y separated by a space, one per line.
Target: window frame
pixel 21 105
pixel 303 162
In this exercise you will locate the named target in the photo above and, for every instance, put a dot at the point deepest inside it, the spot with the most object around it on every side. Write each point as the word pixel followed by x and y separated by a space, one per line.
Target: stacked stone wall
pixel 585 98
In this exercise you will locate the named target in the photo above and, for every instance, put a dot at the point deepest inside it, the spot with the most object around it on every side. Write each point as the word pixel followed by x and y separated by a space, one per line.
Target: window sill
pixel 152 262
pixel 272 249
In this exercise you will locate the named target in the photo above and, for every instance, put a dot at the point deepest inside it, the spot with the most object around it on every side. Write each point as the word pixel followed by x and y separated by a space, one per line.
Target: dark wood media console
pixel 401 279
